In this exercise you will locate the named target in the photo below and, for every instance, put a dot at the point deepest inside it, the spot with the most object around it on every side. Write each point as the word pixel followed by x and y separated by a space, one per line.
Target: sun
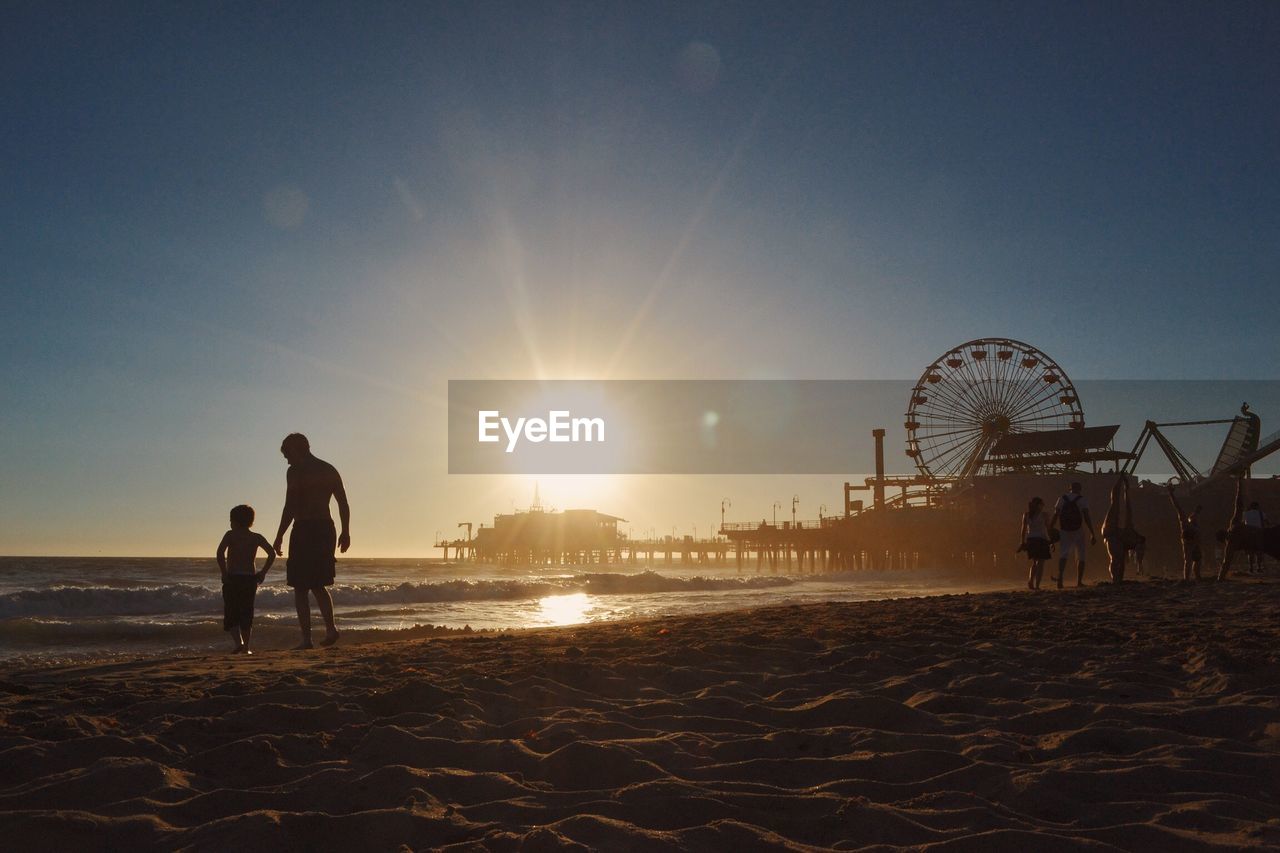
pixel 563 491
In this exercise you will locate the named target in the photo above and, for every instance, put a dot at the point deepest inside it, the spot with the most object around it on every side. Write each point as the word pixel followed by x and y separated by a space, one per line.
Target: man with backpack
pixel 1070 516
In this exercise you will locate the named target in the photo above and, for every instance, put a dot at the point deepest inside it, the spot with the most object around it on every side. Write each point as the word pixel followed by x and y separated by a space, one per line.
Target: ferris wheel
pixel 976 394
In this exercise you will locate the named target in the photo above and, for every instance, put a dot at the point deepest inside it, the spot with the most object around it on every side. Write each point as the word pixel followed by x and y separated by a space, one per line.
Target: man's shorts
pixel 1072 541
pixel 310 564
pixel 237 601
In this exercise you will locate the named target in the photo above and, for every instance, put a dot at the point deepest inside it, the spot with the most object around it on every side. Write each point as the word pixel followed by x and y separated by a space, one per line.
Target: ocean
pixel 57 610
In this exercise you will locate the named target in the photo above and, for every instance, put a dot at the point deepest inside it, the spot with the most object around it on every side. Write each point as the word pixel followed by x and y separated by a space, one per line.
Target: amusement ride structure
pixel 989 424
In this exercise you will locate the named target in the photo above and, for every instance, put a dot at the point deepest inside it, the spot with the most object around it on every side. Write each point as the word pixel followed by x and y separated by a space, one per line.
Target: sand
pixel 1145 717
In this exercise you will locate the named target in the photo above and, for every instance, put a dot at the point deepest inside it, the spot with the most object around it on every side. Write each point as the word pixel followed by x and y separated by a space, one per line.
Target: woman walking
pixel 1035 540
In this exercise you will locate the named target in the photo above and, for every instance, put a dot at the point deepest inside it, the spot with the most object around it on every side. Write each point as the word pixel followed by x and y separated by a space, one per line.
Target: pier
pixel 649 553
pixel 818 546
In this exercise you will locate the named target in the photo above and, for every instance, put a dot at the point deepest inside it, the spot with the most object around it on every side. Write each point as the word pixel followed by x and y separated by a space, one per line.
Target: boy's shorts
pixel 237 599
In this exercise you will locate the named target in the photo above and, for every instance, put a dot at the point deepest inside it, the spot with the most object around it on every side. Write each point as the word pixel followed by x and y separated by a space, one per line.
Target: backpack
pixel 1070 517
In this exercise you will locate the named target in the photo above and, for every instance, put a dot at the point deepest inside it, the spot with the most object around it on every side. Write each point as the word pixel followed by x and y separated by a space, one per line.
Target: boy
pixel 236 553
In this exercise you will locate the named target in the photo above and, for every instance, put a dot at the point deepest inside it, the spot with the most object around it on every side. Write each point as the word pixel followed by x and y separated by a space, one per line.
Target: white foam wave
pixel 85 601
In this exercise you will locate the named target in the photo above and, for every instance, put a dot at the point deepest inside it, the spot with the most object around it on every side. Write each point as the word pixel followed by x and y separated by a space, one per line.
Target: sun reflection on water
pixel 564 609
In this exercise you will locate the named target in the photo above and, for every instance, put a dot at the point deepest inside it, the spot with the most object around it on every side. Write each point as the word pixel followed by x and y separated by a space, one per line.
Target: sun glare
pixel 561 491
pixel 564 609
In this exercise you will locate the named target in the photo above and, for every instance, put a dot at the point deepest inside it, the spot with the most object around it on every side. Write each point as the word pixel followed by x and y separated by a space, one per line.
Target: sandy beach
pixel 1145 717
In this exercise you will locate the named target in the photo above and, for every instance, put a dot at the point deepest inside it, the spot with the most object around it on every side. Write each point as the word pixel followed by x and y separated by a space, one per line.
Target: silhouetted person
pixel 311 483
pixel 1256 519
pixel 1117 529
pixel 1189 533
pixel 1071 516
pixel 1139 548
pixel 1240 536
pixel 236 554
pixel 1035 540
pixel 1132 540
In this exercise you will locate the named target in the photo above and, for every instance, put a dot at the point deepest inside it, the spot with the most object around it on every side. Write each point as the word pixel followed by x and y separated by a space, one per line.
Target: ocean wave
pixel 96 600
pixel 22 636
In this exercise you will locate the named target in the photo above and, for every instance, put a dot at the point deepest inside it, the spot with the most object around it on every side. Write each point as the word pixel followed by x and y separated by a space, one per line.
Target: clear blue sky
pixel 226 221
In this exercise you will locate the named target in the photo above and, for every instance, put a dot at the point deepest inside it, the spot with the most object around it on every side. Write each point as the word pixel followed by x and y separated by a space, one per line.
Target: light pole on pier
pixel 724 504
pixel 795 499
pixel 777 505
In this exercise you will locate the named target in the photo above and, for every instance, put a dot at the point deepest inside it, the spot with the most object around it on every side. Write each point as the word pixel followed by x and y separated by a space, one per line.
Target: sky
pixel 224 222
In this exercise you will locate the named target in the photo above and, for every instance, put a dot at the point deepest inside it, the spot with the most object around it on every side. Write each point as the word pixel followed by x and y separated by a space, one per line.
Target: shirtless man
pixel 311 483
